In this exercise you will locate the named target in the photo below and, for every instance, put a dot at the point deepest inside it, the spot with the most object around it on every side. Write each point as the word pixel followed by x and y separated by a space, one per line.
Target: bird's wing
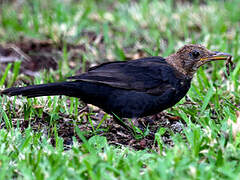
pixel 150 75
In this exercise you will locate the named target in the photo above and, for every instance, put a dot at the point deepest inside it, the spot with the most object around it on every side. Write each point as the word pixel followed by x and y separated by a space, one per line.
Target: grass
pixel 207 148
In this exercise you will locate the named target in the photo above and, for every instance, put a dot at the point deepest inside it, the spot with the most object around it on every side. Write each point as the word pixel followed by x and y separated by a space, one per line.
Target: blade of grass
pixel 5 74
pixel 16 69
pixel 207 99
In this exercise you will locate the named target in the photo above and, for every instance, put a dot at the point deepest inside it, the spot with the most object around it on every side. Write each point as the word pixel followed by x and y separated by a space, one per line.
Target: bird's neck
pixel 179 66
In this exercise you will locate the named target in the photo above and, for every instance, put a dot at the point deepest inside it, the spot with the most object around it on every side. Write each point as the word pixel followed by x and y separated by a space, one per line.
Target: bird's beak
pixel 215 56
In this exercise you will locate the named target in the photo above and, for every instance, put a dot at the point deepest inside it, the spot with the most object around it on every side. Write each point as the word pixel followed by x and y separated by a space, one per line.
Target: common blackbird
pixel 131 89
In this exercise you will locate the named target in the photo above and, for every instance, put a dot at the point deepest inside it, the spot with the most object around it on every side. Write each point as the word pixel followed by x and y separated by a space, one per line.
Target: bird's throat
pixel 178 65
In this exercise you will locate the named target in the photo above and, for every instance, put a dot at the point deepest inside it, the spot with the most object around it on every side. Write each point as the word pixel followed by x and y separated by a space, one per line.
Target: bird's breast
pixel 182 88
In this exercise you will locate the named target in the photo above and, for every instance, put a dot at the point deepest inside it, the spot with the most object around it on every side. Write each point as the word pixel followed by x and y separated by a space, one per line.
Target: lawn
pixel 62 138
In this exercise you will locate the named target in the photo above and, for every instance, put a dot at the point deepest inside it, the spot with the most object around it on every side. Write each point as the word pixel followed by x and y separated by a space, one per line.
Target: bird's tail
pixel 59 88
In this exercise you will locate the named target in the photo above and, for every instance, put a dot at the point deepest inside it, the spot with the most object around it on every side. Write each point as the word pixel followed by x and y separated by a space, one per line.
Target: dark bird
pixel 134 88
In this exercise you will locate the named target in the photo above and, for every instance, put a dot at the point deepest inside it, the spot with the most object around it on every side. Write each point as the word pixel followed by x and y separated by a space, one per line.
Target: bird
pixel 133 88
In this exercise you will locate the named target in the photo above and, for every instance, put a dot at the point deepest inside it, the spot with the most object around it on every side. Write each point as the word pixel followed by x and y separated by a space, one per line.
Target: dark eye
pixel 195 54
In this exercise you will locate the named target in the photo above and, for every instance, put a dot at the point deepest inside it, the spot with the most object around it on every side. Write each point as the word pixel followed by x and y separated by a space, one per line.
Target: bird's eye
pixel 195 54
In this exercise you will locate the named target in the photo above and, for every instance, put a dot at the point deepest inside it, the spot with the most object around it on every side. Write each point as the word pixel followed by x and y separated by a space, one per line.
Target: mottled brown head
pixel 190 57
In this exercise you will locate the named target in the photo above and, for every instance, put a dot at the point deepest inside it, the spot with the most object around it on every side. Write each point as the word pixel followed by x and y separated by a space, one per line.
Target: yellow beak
pixel 216 56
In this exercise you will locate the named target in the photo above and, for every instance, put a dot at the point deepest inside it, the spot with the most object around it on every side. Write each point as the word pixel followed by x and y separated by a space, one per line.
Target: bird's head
pixel 190 57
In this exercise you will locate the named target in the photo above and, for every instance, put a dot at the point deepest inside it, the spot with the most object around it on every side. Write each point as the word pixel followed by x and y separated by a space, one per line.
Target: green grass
pixel 207 150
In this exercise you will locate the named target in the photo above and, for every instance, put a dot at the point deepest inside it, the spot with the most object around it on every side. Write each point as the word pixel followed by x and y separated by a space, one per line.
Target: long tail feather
pixel 61 88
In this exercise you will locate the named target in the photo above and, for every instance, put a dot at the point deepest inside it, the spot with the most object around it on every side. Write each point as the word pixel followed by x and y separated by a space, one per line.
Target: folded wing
pixel 150 75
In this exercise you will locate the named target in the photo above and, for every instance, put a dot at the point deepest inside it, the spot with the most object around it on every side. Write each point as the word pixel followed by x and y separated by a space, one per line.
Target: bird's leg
pixel 120 122
pixel 150 120
pixel 135 124
pixel 142 126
